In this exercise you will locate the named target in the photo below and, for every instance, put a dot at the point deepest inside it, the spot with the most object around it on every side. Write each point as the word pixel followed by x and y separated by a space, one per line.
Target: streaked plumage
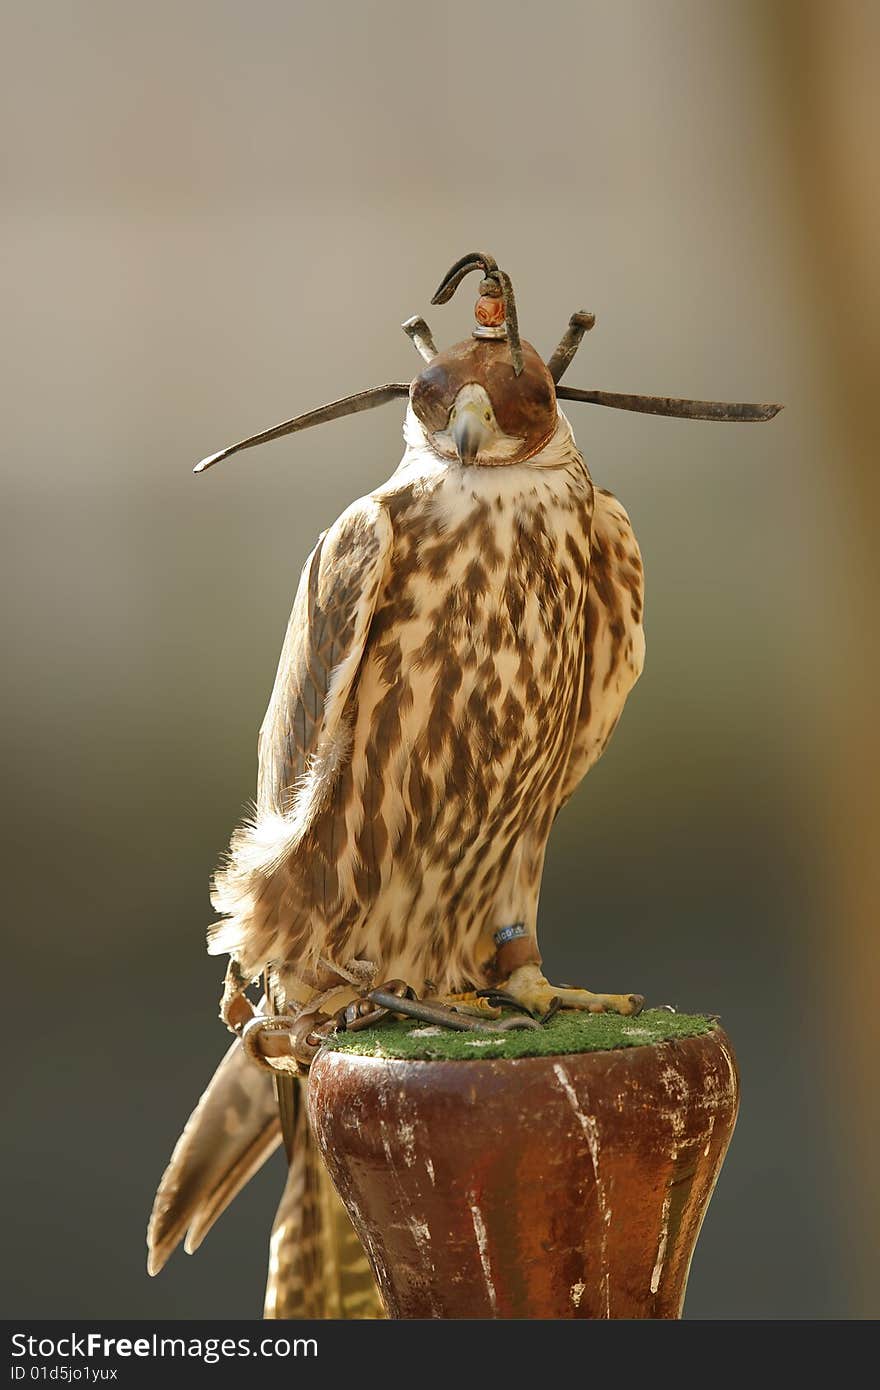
pixel 430 715
pixel 462 643
pixel 460 650
pixel 317 1267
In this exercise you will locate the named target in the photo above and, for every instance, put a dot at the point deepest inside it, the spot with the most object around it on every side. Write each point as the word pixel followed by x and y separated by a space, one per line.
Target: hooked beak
pixel 469 432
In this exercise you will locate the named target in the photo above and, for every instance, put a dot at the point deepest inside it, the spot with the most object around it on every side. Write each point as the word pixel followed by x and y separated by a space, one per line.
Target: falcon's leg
pixel 528 987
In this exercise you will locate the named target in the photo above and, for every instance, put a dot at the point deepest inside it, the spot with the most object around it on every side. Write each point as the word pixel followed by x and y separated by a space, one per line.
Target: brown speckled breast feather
pixel 460 649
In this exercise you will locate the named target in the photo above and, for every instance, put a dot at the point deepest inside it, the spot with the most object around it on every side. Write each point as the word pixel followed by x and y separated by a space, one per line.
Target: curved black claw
pixel 503 1000
pixel 555 1006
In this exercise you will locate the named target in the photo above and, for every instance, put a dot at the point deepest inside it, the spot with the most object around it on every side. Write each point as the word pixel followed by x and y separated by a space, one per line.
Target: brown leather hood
pixel 524 405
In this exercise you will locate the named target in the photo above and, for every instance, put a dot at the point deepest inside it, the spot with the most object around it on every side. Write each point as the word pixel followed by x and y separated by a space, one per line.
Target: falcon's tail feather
pixel 317 1266
pixel 232 1131
pixel 288 1096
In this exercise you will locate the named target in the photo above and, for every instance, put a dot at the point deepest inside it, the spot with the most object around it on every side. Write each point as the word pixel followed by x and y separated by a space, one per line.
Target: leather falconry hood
pixel 523 390
pixel 524 405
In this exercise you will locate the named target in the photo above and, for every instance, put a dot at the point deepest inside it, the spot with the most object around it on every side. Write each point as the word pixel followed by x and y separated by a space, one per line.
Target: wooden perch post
pixel 566 1185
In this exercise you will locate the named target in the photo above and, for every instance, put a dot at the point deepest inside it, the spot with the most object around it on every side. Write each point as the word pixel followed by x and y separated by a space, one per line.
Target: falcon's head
pixel 474 408
pixel 491 399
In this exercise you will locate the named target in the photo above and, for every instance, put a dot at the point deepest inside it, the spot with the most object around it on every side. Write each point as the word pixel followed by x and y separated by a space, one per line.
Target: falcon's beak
pixel 470 431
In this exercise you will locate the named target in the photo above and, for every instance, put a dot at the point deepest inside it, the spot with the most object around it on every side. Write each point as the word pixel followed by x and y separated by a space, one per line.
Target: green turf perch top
pixel 565 1033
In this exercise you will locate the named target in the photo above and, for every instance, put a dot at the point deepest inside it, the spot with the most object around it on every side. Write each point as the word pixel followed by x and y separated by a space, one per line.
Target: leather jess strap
pixel 514 946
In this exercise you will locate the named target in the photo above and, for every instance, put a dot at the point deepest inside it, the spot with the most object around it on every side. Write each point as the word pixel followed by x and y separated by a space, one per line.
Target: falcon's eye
pixel 488 415
pixel 452 416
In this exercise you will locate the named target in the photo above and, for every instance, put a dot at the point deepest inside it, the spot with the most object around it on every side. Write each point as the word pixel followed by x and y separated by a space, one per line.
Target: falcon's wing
pixel 615 639
pixel 304 741
pixel 322 651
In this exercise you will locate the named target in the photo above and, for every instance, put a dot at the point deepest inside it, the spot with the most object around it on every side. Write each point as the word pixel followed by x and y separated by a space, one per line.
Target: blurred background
pixel 217 214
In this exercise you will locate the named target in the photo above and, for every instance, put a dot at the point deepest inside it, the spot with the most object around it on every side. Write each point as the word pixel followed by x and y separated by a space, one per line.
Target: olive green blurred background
pixel 216 215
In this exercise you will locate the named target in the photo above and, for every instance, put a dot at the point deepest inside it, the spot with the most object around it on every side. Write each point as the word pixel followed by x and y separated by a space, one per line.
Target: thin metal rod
pixel 335 410
pixel 422 338
pixel 734 411
pixel 445 1017
pixel 579 324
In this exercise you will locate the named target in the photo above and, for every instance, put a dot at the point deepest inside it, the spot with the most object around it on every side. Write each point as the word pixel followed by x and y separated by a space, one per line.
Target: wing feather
pixel 615 639
pixel 230 1134
pixel 322 649
pixel 304 738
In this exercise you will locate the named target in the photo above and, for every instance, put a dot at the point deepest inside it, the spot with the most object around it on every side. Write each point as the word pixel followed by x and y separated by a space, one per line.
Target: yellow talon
pixel 528 987
pixel 469 1003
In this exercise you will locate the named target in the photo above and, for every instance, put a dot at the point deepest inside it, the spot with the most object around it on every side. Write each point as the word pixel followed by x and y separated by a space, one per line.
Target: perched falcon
pixel 461 646
pixel 449 674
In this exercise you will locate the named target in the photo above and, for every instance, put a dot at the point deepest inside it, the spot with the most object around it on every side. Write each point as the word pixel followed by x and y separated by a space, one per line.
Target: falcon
pixel 462 643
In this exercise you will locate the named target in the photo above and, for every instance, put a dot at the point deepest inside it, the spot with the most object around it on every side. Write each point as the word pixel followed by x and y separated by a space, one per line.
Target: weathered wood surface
pixel 546 1187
